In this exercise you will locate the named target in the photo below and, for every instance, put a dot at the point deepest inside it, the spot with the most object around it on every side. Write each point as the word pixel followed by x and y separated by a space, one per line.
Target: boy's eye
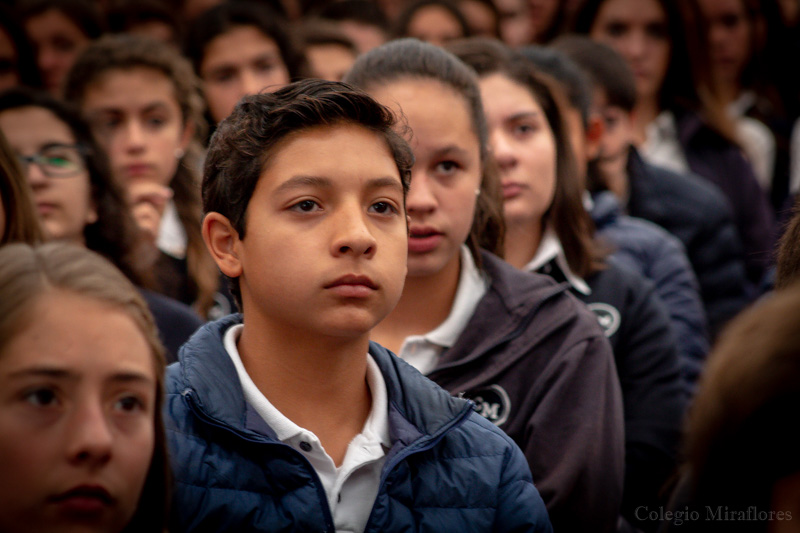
pixel 306 206
pixel 383 208
pixel 43 397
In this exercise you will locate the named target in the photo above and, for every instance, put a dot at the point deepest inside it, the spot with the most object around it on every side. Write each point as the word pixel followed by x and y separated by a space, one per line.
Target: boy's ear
pixel 222 241
pixel 594 135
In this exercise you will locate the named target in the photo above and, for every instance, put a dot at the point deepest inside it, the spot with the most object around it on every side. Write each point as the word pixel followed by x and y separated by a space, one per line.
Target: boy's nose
pixel 353 235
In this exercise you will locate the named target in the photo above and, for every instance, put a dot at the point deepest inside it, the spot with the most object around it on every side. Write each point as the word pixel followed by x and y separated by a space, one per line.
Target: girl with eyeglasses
pixel 78 201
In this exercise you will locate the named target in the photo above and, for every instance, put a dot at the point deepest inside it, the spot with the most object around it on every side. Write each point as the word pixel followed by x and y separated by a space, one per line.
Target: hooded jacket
pixel 536 363
pixel 448 468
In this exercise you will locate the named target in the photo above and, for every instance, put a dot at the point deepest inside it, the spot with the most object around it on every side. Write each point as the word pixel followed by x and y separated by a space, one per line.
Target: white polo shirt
pixel 351 489
pixel 423 351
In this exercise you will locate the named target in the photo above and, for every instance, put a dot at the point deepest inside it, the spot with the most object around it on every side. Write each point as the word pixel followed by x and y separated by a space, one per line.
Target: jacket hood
pixel 206 371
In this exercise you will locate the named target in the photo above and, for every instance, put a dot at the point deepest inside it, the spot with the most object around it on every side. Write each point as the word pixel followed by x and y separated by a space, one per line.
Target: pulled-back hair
pixel 27 273
pixel 244 143
pixel 126 52
pixel 114 234
pixel 566 214
pixel 412 59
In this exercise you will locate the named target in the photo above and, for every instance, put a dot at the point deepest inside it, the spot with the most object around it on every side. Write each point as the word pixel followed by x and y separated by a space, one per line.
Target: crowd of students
pixel 511 265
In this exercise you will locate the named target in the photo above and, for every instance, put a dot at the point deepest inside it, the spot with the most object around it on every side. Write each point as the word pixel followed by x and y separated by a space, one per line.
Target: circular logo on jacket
pixel 491 403
pixel 607 316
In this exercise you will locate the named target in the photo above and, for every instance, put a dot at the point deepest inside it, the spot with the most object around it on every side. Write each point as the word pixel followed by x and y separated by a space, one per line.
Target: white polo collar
pixel 550 249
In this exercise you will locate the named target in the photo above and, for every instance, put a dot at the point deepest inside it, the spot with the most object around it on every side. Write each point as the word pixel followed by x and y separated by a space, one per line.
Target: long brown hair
pixel 20 223
pixel 567 215
pixel 687 84
pixel 124 52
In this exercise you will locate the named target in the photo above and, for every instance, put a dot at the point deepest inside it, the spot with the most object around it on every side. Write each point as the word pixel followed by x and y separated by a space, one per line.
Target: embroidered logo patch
pixel 491 403
pixel 607 316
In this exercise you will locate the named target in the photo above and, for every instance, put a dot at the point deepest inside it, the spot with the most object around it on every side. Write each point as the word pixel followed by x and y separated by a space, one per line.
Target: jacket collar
pixel 505 312
pixel 416 408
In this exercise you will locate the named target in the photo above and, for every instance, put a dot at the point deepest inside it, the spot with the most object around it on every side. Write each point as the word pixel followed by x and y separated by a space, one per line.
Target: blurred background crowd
pixel 682 117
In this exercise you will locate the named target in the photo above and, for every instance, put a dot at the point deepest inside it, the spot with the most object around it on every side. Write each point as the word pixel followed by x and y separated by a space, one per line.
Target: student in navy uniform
pixel 549 231
pixel 286 417
pixel 693 210
pixel 518 344
pixel 637 244
pixel 678 122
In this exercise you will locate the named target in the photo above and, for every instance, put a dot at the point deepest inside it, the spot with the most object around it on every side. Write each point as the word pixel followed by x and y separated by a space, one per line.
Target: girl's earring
pixel 179 153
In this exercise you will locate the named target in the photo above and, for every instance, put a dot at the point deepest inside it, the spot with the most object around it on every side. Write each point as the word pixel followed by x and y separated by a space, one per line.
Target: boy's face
pixel 617 135
pixel 326 239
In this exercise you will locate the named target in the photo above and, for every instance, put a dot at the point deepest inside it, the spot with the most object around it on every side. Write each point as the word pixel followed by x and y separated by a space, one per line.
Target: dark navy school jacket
pixel 448 469
pixel 698 214
pixel 650 250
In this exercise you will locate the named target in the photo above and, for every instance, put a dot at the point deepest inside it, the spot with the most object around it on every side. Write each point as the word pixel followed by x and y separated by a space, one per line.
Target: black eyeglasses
pixel 57 160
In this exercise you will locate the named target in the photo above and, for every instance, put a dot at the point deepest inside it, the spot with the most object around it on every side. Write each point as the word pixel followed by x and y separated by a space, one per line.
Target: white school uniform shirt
pixel 172 239
pixel 662 147
pixel 423 351
pixel 550 249
pixel 352 488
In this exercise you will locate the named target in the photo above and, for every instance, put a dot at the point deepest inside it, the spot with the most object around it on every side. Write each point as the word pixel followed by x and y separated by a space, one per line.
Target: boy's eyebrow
pixel 296 182
pixel 386 181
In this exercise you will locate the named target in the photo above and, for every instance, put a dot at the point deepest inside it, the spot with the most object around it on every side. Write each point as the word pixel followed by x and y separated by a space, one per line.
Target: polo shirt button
pixel 306 447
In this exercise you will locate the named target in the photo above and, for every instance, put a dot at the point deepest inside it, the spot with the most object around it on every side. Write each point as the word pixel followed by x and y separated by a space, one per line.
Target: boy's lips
pixel 353 286
pixel 423 239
